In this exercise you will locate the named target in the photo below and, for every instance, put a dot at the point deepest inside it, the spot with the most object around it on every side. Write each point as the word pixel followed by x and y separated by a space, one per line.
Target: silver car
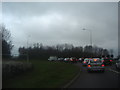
pixel 95 65
pixel 60 59
pixel 52 58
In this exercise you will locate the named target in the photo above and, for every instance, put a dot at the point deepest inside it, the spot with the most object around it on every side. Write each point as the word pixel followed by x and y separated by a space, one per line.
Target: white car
pixel 67 59
pixel 80 59
pixel 52 58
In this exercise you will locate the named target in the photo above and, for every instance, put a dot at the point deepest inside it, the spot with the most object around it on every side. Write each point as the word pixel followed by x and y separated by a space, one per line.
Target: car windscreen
pixel 98 61
pixel 86 60
pixel 66 58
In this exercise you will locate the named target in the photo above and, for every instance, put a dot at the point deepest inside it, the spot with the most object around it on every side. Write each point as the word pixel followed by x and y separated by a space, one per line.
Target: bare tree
pixel 6 42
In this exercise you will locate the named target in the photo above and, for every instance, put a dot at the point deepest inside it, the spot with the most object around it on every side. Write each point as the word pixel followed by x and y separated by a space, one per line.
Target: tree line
pixel 38 50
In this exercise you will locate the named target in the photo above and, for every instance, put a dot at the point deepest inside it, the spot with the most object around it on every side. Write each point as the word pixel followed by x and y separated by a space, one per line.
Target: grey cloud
pixel 52 23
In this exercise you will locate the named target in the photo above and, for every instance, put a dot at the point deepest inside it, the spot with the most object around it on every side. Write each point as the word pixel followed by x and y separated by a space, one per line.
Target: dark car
pixel 117 64
pixel 108 61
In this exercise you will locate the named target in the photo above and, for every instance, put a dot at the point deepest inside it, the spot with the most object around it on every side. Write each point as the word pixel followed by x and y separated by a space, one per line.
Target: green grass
pixel 44 75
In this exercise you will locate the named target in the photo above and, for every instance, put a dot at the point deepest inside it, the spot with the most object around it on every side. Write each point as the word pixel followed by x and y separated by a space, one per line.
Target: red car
pixel 73 59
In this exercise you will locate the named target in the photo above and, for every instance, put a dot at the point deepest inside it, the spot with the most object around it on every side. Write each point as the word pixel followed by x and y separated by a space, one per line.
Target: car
pixel 95 65
pixel 77 59
pixel 66 59
pixel 85 62
pixel 83 59
pixel 52 58
pixel 73 59
pixel 108 61
pixel 80 59
pixel 98 59
pixel 60 59
pixel 102 59
pixel 117 64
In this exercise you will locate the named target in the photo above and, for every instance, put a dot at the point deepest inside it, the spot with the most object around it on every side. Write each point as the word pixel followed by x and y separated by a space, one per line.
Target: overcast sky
pixel 58 23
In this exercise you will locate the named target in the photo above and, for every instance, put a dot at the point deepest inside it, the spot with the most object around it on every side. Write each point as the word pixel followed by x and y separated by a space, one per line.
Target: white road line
pixel 114 71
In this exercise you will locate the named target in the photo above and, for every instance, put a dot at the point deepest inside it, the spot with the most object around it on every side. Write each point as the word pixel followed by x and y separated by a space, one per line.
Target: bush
pixel 12 68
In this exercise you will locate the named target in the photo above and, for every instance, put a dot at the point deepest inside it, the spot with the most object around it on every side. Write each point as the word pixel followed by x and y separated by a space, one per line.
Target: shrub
pixel 11 68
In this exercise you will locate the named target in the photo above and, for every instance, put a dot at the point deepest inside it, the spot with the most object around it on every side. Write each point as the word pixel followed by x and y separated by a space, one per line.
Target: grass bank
pixel 44 75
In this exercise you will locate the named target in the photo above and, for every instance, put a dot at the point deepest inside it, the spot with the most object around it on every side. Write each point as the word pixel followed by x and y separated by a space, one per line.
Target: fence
pixel 15 57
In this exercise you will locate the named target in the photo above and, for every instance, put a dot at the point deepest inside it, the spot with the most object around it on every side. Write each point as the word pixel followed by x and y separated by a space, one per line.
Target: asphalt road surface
pixel 109 79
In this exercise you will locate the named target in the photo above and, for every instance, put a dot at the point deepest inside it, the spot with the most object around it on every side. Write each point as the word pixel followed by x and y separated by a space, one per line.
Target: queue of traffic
pixel 92 64
pixel 71 59
pixel 84 61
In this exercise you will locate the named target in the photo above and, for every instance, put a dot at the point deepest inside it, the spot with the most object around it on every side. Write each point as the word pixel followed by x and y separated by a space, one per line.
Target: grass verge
pixel 45 75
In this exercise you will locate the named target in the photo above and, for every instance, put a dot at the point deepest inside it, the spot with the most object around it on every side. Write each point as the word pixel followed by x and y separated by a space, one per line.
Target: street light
pixel 27 48
pixel 90 35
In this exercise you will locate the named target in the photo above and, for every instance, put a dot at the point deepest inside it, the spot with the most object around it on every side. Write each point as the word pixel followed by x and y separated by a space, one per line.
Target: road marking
pixel 69 83
pixel 114 71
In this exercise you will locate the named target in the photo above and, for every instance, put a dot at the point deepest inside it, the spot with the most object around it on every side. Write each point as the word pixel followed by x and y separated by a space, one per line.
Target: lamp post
pixel 90 35
pixel 27 48
pixel 90 31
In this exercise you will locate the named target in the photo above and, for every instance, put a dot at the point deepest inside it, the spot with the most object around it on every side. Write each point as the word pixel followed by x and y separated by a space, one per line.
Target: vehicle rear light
pixel 71 59
pixel 102 60
pixel 95 59
pixel 89 65
pixel 110 60
pixel 84 62
pixel 103 65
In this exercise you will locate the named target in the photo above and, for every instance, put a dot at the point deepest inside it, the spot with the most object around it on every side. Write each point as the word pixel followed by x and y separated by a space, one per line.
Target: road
pixel 109 79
